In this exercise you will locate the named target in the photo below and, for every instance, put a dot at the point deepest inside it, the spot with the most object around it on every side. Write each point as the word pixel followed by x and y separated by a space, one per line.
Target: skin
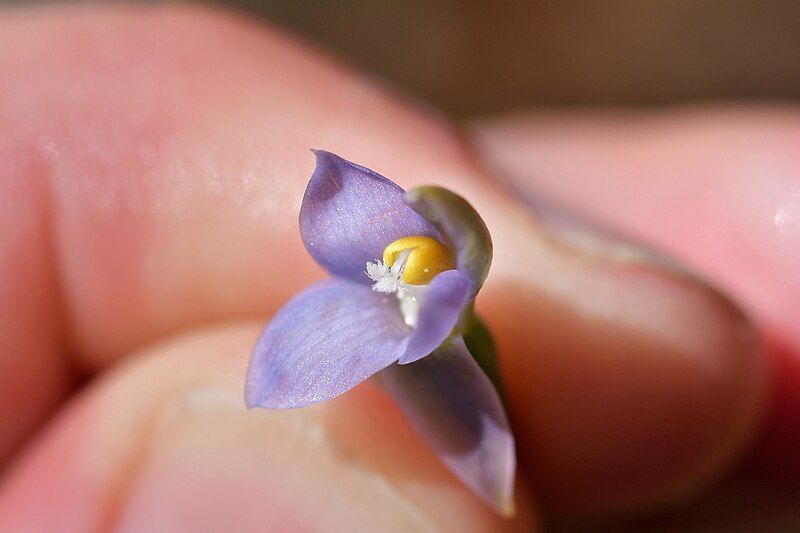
pixel 152 164
pixel 734 217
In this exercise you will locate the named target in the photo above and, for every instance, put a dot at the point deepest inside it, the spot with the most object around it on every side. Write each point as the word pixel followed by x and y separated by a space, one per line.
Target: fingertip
pixel 632 384
pixel 165 443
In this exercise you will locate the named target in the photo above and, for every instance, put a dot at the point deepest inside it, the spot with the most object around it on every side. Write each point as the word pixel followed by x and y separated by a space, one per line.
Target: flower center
pixel 426 258
pixel 409 265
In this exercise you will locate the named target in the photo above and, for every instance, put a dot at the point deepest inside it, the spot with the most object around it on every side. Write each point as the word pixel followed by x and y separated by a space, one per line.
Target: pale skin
pixel 152 164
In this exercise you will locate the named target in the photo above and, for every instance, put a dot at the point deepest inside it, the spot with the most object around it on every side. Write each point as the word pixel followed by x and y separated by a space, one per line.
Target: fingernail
pixel 588 234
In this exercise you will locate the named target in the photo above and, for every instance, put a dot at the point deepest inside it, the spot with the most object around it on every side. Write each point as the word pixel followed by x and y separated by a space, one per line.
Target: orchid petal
pixel 452 404
pixel 461 226
pixel 445 299
pixel 326 340
pixel 350 214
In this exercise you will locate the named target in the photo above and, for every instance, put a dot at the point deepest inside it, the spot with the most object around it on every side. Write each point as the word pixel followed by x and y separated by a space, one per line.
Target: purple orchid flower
pixel 406 268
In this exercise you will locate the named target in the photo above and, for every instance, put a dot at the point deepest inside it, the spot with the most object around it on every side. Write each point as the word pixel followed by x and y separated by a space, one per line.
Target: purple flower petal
pixel 327 339
pixel 461 226
pixel 445 299
pixel 350 214
pixel 452 404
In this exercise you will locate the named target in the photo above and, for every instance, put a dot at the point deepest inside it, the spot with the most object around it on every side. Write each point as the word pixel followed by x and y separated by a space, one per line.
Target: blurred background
pixel 473 57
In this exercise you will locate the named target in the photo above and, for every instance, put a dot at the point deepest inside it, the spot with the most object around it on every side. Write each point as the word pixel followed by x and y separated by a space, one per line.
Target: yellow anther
pixel 427 258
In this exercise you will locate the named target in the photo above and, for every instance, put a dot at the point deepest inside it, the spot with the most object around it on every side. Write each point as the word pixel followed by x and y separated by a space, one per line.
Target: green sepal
pixel 461 226
pixel 481 345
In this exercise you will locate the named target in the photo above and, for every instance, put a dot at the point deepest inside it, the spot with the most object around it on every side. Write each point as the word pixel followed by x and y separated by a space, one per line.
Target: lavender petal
pixel 326 340
pixel 452 404
pixel 445 299
pixel 350 214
